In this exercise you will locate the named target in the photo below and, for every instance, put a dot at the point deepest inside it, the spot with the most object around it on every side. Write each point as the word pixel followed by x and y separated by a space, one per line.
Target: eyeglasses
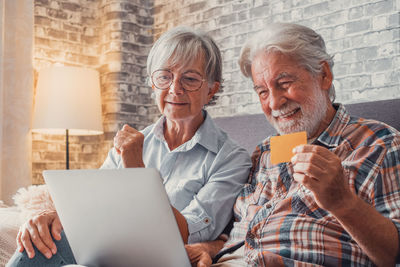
pixel 190 81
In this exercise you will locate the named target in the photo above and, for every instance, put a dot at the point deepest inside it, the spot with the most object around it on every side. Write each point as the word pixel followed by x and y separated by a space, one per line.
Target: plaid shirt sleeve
pixel 279 219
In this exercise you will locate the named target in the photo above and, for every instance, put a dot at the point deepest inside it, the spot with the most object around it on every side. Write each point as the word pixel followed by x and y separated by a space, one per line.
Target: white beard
pixel 312 112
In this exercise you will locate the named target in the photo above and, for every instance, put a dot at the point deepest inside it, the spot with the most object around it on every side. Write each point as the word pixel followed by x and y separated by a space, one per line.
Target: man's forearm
pixel 375 234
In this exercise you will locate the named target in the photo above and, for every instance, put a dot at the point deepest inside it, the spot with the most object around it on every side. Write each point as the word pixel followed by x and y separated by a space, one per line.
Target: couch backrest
pixel 250 130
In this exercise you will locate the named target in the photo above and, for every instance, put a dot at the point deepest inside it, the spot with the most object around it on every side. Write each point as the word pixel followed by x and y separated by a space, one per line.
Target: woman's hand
pixel 37 231
pixel 129 144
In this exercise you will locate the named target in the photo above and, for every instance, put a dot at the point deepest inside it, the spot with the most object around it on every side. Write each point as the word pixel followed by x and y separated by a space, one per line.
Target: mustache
pixel 285 109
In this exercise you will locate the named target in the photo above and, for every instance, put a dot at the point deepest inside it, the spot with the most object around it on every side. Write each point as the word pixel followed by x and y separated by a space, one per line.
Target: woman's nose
pixel 175 87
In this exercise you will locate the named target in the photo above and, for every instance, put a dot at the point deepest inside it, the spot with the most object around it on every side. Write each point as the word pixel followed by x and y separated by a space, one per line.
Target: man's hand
pixel 129 144
pixel 320 170
pixel 201 254
pixel 37 231
pixel 198 255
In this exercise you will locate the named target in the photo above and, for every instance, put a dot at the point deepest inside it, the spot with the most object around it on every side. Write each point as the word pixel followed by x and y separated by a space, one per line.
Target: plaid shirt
pixel 279 219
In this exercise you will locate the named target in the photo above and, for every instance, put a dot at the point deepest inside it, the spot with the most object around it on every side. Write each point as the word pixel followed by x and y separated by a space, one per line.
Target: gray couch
pixel 247 130
pixel 250 130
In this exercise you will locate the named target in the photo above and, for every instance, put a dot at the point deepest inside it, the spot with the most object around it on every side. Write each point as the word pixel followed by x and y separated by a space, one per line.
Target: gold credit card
pixel 282 146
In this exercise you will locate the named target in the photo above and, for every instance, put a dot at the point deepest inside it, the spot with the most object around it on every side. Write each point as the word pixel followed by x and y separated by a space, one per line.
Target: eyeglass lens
pixel 162 79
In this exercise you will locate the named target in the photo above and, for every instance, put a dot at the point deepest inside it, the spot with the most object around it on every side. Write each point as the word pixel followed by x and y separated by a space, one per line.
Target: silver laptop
pixel 119 217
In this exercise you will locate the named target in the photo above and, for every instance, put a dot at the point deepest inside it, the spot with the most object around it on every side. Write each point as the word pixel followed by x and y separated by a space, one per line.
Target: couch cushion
pixel 249 130
pixel 9 225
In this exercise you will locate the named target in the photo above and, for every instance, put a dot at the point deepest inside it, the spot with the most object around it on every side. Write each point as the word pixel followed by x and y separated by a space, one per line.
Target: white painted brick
pixel 339 31
pixel 115 46
pixel 41 11
pixel 54 4
pixel 258 3
pixel 357 67
pixel 89 31
pixel 396 62
pixel 114 66
pixel 337 85
pixel 388 49
pixel 297 14
pixel 393 76
pixel 338 57
pixel 378 79
pixel 338 5
pixel 75 18
pixel 355 12
pixel 39 31
pixel 56 25
pixel 357 41
pixel 144 90
pixel 351 50
pixel 142 111
pixel 379 23
pixel 224 100
pixel 278 6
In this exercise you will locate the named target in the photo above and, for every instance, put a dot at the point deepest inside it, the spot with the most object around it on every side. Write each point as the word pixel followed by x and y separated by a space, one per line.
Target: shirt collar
pixel 205 135
pixel 333 135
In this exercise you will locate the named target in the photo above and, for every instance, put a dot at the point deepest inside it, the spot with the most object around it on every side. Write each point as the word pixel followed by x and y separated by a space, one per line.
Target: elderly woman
pixel 203 170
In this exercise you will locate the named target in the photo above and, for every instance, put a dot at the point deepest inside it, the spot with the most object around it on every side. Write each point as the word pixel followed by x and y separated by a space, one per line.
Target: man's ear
pixel 326 76
pixel 213 90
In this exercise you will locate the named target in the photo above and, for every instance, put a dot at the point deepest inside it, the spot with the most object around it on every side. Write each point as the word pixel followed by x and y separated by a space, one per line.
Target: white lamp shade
pixel 68 98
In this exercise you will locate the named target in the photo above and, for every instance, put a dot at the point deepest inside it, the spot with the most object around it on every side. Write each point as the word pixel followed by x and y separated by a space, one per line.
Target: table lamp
pixel 67 101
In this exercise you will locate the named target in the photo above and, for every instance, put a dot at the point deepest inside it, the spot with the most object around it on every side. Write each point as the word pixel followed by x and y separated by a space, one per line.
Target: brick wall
pixel 362 34
pixel 65 32
pixel 114 36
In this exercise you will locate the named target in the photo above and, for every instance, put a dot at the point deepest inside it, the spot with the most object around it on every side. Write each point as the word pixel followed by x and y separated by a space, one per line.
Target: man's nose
pixel 276 98
pixel 175 87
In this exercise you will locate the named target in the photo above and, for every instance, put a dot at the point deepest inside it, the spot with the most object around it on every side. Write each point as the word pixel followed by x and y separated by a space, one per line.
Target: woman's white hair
pixel 181 46
pixel 302 43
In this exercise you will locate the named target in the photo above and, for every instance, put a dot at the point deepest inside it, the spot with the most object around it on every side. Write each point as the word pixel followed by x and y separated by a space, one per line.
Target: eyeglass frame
pixel 172 80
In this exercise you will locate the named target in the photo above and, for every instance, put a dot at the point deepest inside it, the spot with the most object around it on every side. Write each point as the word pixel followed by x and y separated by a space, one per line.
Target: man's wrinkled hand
pixel 321 171
pixel 198 255
pixel 36 231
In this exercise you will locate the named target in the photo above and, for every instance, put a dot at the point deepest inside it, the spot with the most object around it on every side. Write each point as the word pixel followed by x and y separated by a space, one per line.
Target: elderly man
pixel 337 203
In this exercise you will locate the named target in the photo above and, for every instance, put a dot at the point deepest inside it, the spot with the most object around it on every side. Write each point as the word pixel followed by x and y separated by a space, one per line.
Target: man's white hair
pixel 302 43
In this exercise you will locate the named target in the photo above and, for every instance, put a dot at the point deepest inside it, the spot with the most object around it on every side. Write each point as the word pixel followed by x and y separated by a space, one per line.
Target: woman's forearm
pixel 182 224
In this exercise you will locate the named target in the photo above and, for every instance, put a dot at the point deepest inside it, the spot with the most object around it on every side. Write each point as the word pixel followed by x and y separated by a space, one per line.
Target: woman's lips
pixel 176 103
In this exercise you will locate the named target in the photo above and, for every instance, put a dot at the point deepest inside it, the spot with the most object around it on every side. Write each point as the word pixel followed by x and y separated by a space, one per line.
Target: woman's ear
pixel 326 75
pixel 213 90
pixel 153 93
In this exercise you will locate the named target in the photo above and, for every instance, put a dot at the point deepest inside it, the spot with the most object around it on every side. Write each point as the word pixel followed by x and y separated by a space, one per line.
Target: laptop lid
pixel 118 217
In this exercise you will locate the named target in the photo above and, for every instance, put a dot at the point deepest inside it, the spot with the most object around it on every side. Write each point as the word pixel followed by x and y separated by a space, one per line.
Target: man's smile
pixel 287 115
